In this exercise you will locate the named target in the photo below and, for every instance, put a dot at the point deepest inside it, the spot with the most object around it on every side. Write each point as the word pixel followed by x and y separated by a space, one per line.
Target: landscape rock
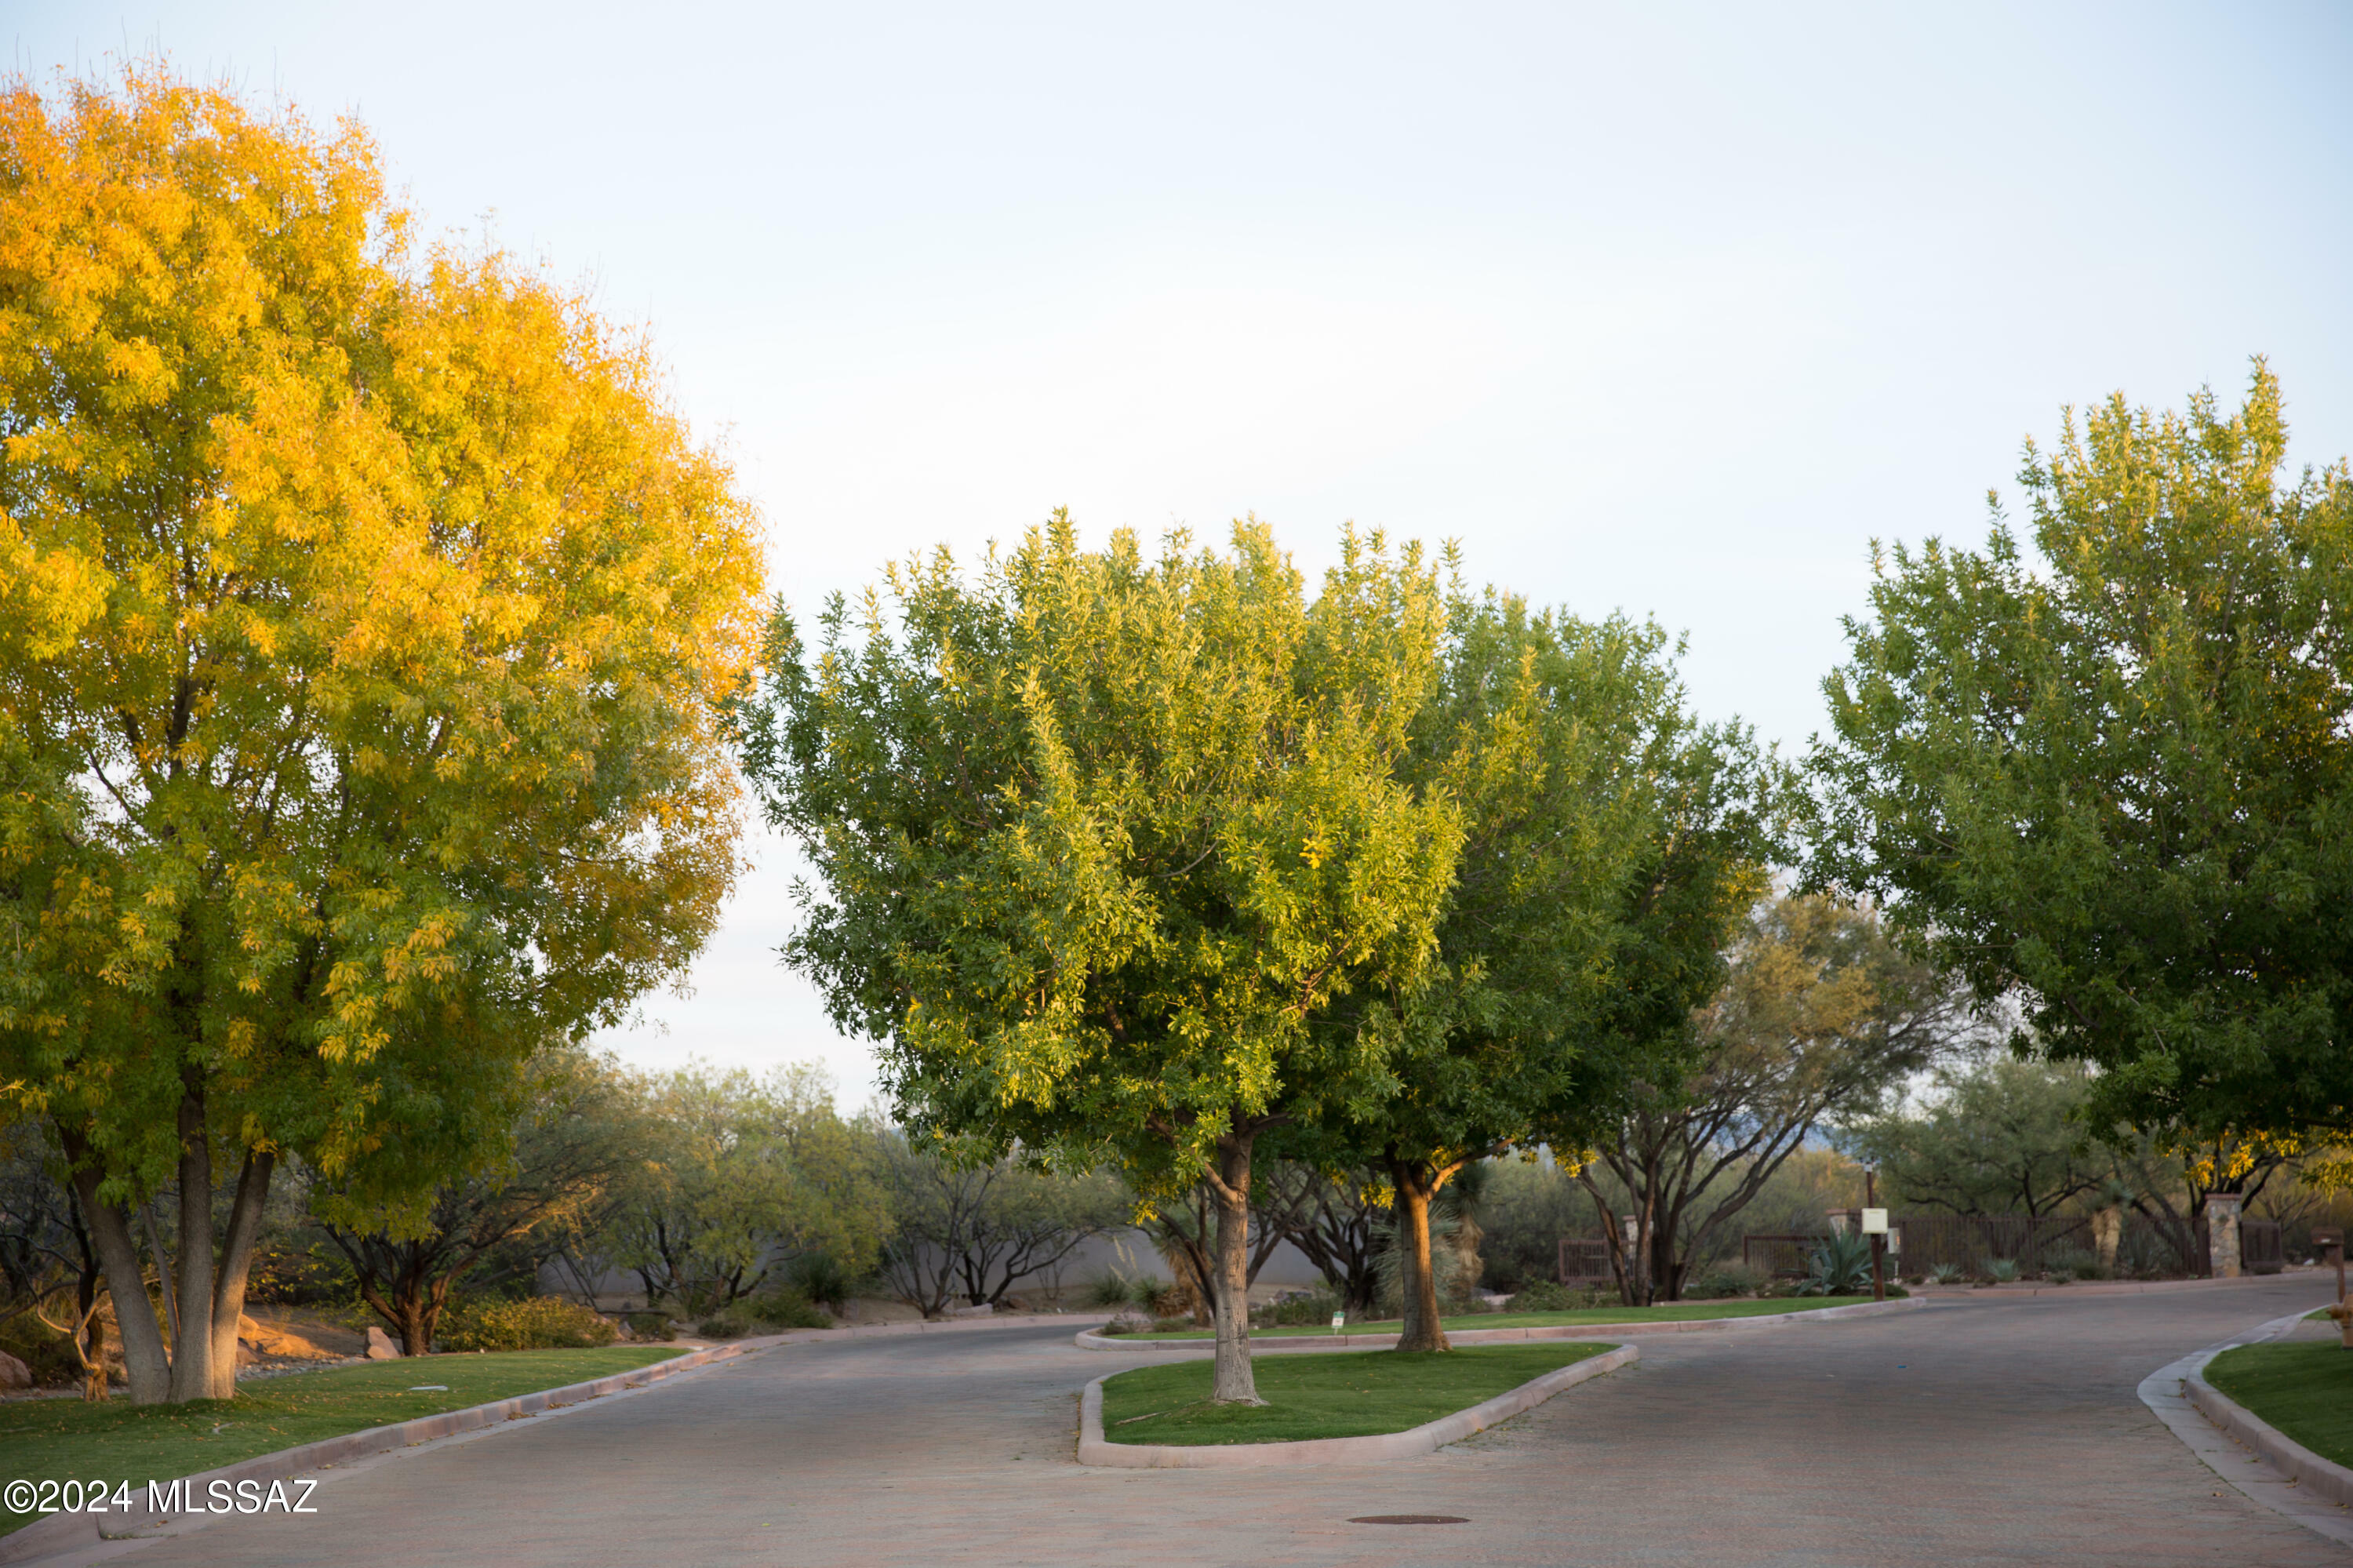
pixel 13 1373
pixel 380 1346
pixel 255 1339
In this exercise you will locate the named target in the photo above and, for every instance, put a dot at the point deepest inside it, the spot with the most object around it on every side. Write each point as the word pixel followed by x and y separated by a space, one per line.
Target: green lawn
pixel 2305 1388
pixel 1672 1312
pixel 51 1439
pixel 1351 1394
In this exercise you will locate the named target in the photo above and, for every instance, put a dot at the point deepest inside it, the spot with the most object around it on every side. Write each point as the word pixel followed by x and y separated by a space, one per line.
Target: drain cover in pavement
pixel 1409 1518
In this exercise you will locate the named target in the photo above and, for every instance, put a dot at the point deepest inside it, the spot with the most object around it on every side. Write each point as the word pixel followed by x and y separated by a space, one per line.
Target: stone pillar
pixel 2223 1233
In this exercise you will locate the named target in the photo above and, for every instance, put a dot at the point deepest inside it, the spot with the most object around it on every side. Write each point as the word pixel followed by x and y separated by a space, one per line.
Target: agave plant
pixel 1947 1274
pixel 1840 1266
pixel 2000 1271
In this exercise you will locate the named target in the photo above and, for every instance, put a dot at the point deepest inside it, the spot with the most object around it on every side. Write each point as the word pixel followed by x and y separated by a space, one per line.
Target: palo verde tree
pixel 1549 734
pixel 366 616
pixel 1104 837
pixel 2109 771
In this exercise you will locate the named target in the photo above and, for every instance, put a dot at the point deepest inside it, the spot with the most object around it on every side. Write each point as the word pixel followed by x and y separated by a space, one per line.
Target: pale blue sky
pixel 1668 309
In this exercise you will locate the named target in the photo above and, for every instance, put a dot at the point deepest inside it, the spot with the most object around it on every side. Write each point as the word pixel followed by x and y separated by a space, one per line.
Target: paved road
pixel 1967 1433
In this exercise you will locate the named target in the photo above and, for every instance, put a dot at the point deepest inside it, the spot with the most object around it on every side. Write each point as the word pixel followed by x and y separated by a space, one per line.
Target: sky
pixel 1665 309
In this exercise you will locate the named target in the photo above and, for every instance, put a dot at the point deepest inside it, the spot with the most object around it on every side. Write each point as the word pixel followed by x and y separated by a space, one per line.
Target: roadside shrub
pixel 1727 1279
pixel 1946 1274
pixel 2074 1262
pixel 1117 1325
pixel 652 1326
pixel 1543 1295
pixel 1315 1306
pixel 1171 1325
pixel 1999 1270
pixel 784 1307
pixel 726 1326
pixel 819 1279
pixel 538 1323
pixel 1110 1290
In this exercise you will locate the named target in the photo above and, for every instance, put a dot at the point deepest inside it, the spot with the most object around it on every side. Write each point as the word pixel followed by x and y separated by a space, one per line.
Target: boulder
pixel 13 1373
pixel 255 1339
pixel 380 1346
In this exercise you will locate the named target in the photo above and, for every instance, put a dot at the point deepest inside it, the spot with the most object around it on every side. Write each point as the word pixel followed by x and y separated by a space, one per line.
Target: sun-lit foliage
pixel 367 617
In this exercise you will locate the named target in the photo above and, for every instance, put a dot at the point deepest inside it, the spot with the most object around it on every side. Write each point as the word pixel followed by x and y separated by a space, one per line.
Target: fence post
pixel 2223 1233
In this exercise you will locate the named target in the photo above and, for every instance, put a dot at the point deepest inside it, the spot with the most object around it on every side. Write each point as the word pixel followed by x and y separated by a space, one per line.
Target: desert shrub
pixel 784 1307
pixel 652 1326
pixel 1543 1295
pixel 538 1323
pixel 1171 1325
pixel 1110 1290
pixel 1946 1274
pixel 725 1326
pixel 1117 1325
pixel 1315 1306
pixel 820 1279
pixel 45 1352
pixel 2000 1271
pixel 1727 1279
pixel 2074 1262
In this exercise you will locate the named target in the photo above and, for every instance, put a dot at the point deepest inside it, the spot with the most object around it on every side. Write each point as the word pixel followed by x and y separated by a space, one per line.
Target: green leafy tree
pixel 1994 1135
pixel 743 1177
pixel 365 617
pixel 1101 840
pixel 2106 770
pixel 1609 840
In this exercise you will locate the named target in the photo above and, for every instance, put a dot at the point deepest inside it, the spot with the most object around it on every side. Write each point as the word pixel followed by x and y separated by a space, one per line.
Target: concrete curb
pixel 1423 1439
pixel 2323 1478
pixel 2227 1447
pixel 2036 1291
pixel 69 1533
pixel 1087 1339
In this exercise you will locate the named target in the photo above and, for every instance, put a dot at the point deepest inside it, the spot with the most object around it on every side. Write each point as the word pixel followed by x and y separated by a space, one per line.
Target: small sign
pixel 1875 1222
pixel 1337 1319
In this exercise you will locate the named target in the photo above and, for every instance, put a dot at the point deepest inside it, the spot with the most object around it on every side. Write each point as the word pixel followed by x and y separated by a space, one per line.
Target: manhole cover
pixel 1409 1518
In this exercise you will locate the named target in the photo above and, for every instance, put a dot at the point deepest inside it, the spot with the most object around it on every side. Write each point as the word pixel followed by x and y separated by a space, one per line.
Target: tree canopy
pixel 365 615
pixel 1610 843
pixel 1101 838
pixel 2107 769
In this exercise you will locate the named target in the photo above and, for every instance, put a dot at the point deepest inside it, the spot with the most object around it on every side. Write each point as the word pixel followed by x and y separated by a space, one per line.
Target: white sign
pixel 1875 1222
pixel 1338 1319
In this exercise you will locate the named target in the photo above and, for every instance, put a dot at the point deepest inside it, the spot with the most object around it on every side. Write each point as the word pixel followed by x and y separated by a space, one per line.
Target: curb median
pixel 1094 1450
pixel 1088 1339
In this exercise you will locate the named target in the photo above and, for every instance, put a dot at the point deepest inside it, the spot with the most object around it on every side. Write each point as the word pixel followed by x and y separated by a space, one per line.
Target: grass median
pixel 1670 1313
pixel 2304 1387
pixel 56 1439
pixel 1350 1394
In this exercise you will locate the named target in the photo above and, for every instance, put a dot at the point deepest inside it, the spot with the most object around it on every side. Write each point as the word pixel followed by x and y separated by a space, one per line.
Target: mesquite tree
pixel 1820 1012
pixel 1102 838
pixel 364 621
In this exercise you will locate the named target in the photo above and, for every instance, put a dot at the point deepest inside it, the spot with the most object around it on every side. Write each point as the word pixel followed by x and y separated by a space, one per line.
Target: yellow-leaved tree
pixel 367 621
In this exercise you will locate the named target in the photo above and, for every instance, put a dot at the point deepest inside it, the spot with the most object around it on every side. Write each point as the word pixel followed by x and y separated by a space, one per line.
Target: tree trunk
pixel 236 1266
pixel 192 1351
pixel 1416 1281
pixel 1230 1187
pixel 145 1364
